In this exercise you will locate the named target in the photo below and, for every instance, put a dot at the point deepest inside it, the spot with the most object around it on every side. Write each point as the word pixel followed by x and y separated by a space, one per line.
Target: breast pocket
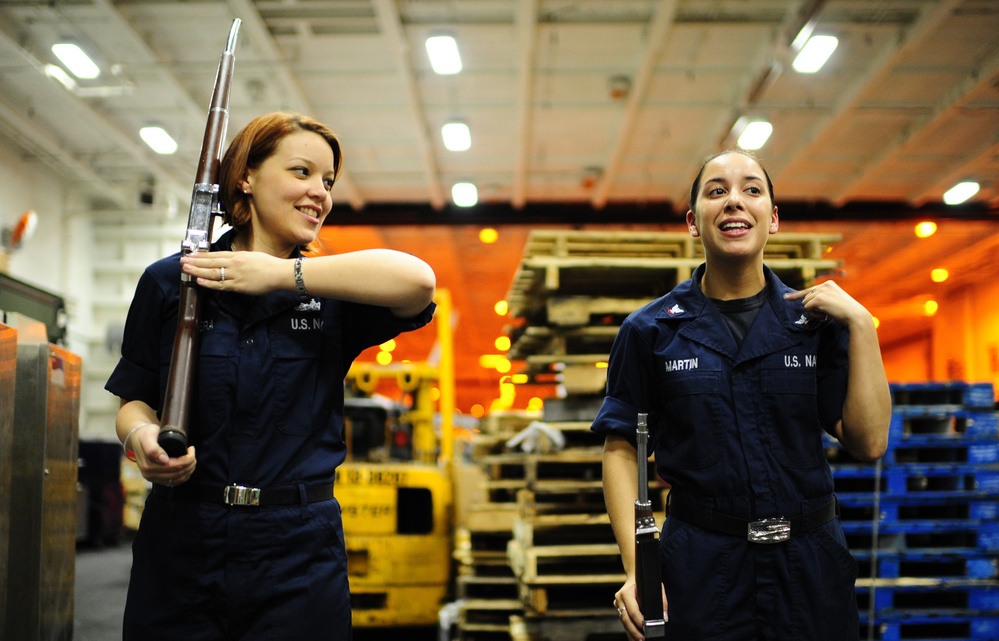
pixel 214 380
pixel 692 428
pixel 302 382
pixel 792 416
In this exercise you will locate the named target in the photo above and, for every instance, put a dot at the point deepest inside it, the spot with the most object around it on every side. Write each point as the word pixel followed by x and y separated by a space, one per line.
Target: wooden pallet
pixel 641 265
pixel 567 628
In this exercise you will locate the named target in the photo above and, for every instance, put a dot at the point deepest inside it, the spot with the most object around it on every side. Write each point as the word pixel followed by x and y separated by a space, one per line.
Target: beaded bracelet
pixel 299 281
pixel 129 454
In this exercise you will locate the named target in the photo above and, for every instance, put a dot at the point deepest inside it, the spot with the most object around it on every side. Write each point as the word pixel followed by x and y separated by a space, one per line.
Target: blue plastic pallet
pixel 959 596
pixel 957 393
pixel 904 509
pixel 917 480
pixel 922 449
pixel 947 566
pixel 949 536
pixel 934 422
pixel 942 627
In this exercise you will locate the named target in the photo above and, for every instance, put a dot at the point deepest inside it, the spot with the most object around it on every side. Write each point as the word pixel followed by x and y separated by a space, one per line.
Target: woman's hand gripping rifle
pixel 648 574
pixel 204 206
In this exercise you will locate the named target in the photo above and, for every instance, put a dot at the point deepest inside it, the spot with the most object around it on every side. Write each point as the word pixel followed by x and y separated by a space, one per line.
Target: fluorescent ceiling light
pixel 464 194
pixel 456 136
pixel 960 193
pixel 158 140
pixel 815 53
pixel 76 60
pixel 755 135
pixel 444 57
pixel 56 72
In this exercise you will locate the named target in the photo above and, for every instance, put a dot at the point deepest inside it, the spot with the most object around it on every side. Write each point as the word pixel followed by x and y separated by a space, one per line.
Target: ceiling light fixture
pixel 815 53
pixel 456 135
pixel 158 140
pixel 76 60
pixel 753 134
pixel 464 194
pixel 55 72
pixel 961 192
pixel 444 56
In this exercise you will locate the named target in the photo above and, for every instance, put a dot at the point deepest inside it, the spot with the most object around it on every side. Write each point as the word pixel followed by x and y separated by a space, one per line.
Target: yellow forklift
pixel 395 488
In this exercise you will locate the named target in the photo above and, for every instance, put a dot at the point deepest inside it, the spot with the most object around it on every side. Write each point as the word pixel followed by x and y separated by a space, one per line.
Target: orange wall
pixel 962 344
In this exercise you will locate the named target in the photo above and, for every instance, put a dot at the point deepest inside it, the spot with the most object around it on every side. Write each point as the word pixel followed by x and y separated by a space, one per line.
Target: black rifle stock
pixel 204 206
pixel 648 574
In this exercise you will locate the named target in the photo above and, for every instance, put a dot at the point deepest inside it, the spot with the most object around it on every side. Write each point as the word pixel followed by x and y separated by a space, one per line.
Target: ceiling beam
pixel 39 143
pixel 644 213
pixel 655 41
pixel 770 61
pixel 260 35
pixel 390 25
pixel 881 65
pixel 527 34
pixel 926 124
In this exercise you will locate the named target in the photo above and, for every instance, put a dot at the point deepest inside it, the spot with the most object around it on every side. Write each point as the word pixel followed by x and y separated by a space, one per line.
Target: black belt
pixel 770 530
pixel 240 495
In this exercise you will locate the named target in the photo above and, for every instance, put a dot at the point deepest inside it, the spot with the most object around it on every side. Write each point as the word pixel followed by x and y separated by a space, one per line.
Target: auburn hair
pixel 255 143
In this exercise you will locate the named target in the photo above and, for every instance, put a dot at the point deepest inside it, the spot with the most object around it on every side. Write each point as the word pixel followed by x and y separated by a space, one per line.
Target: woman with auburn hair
pixel 240 537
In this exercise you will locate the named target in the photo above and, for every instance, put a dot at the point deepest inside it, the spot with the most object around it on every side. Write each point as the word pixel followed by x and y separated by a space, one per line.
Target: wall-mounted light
pixel 960 192
pixel 751 134
pixel 444 56
pixel 456 135
pixel 464 194
pixel 158 140
pixel 925 229
pixel 815 53
pixel 939 275
pixel 76 60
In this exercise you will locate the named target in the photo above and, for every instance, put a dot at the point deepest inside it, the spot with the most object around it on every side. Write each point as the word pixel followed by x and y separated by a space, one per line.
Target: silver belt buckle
pixel 769 530
pixel 241 495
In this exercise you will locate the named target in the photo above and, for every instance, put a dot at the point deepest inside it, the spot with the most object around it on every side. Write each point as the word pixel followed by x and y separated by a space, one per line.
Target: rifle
pixel 648 574
pixel 204 206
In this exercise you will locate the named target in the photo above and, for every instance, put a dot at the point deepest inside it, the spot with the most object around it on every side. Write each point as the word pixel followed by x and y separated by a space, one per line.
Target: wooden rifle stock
pixel 648 574
pixel 204 206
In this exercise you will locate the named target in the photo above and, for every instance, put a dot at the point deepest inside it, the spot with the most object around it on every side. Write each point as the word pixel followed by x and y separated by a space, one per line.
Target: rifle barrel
pixel 204 205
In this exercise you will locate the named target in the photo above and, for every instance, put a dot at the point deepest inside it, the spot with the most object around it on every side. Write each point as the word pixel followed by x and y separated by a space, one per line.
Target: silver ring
pixel 620 612
pixel 222 274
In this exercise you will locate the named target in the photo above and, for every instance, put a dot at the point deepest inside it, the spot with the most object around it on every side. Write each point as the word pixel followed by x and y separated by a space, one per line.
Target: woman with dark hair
pixel 740 375
pixel 241 537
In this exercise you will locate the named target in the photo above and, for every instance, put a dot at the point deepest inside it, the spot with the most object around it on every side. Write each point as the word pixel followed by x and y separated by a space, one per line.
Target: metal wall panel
pixel 8 369
pixel 42 556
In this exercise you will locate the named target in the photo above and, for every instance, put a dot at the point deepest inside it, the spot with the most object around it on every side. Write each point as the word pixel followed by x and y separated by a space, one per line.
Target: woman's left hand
pixel 245 272
pixel 829 299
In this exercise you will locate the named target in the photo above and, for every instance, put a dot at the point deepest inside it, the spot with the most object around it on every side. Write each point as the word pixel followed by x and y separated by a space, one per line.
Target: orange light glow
pixel 388 346
pixel 930 307
pixel 535 404
pixel 926 229
pixel 383 358
pixel 502 343
pixel 477 411
pixel 501 308
pixel 488 235
pixel 939 275
pixel 877 322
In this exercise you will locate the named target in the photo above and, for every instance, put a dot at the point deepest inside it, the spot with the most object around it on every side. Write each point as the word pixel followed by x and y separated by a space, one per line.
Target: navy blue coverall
pixel 267 413
pixel 737 431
